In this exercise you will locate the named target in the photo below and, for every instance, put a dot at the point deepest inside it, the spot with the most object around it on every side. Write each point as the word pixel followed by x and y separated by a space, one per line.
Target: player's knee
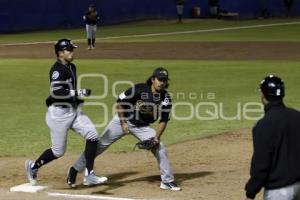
pixel 161 145
pixel 92 136
pixel 161 149
pixel 102 146
pixel 58 152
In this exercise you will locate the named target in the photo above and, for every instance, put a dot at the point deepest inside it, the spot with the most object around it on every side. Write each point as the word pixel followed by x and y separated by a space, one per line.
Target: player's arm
pixel 166 107
pixel 97 16
pixel 261 158
pixel 123 122
pixel 59 87
pixel 124 102
pixel 160 129
pixel 85 17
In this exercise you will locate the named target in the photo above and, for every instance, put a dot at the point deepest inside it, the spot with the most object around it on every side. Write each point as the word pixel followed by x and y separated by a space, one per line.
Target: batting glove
pixel 84 92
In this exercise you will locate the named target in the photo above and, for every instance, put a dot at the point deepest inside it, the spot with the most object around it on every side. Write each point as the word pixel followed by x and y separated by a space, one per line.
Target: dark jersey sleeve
pixel 59 86
pixel 130 95
pixel 166 107
pixel 97 16
pixel 261 158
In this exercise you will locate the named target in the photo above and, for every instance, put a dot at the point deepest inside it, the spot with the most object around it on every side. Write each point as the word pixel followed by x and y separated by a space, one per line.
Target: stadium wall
pixel 27 15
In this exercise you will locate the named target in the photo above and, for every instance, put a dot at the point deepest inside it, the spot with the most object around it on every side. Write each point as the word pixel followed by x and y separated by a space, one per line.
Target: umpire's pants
pixel 290 192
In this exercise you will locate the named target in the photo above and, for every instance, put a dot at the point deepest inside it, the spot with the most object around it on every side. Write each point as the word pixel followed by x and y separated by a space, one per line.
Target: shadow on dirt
pixel 114 180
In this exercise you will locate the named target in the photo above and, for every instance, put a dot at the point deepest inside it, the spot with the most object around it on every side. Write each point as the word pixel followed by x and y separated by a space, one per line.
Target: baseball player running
pixel 275 161
pixel 138 107
pixel 64 114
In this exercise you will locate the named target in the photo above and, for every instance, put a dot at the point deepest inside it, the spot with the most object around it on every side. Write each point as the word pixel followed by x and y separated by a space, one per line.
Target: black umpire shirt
pixel 142 107
pixel 62 80
pixel 276 157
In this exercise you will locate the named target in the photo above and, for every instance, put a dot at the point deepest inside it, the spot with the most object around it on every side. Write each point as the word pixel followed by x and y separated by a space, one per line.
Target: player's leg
pixel 179 12
pixel 94 36
pixel 84 126
pixel 167 177
pixel 89 36
pixel 144 133
pixel 284 193
pixel 58 120
pixel 297 191
pixel 111 134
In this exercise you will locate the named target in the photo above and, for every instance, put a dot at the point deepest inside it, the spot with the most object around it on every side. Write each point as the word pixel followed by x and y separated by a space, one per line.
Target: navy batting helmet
pixel 272 87
pixel 64 44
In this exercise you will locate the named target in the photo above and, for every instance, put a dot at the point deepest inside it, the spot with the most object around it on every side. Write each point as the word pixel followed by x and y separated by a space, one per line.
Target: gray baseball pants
pixel 179 9
pixel 91 31
pixel 113 132
pixel 60 120
pixel 290 192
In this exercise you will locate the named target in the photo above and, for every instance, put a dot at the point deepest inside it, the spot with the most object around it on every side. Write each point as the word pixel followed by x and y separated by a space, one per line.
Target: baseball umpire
pixel 138 107
pixel 276 141
pixel 91 18
pixel 64 114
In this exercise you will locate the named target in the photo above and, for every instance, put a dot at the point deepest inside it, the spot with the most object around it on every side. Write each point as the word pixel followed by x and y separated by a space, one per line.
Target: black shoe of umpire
pixel 71 177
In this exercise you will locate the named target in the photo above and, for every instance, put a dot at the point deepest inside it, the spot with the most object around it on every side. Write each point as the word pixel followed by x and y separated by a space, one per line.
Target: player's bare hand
pixel 125 128
pixel 157 140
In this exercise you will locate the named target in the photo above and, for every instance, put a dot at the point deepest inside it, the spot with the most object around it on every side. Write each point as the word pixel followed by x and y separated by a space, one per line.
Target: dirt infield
pixel 165 50
pixel 214 168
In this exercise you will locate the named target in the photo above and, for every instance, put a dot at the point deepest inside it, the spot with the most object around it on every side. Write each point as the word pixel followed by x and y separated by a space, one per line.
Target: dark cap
pixel 161 73
pixel 64 44
pixel 272 87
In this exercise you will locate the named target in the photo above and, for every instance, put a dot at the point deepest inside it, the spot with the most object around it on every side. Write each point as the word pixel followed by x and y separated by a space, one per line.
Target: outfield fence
pixel 20 15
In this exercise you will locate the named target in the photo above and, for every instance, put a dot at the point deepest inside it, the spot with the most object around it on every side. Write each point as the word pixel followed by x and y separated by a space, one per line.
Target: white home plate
pixel 27 187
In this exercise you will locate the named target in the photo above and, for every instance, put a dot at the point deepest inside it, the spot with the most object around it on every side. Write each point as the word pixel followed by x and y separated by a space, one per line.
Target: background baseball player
pixel 64 114
pixel 138 107
pixel 276 137
pixel 179 9
pixel 91 18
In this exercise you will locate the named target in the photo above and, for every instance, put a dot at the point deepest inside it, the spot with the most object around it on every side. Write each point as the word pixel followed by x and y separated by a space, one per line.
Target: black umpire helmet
pixel 64 44
pixel 272 87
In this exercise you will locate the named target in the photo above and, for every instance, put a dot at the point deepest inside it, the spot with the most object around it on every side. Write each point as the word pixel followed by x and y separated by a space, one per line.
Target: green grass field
pixel 24 84
pixel 274 33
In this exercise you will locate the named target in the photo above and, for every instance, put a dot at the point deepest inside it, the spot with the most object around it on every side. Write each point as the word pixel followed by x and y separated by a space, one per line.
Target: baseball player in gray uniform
pixel 138 107
pixel 91 18
pixel 179 8
pixel 64 113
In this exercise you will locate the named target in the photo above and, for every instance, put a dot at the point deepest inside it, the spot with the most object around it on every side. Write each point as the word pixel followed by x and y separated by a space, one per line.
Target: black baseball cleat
pixel 71 177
